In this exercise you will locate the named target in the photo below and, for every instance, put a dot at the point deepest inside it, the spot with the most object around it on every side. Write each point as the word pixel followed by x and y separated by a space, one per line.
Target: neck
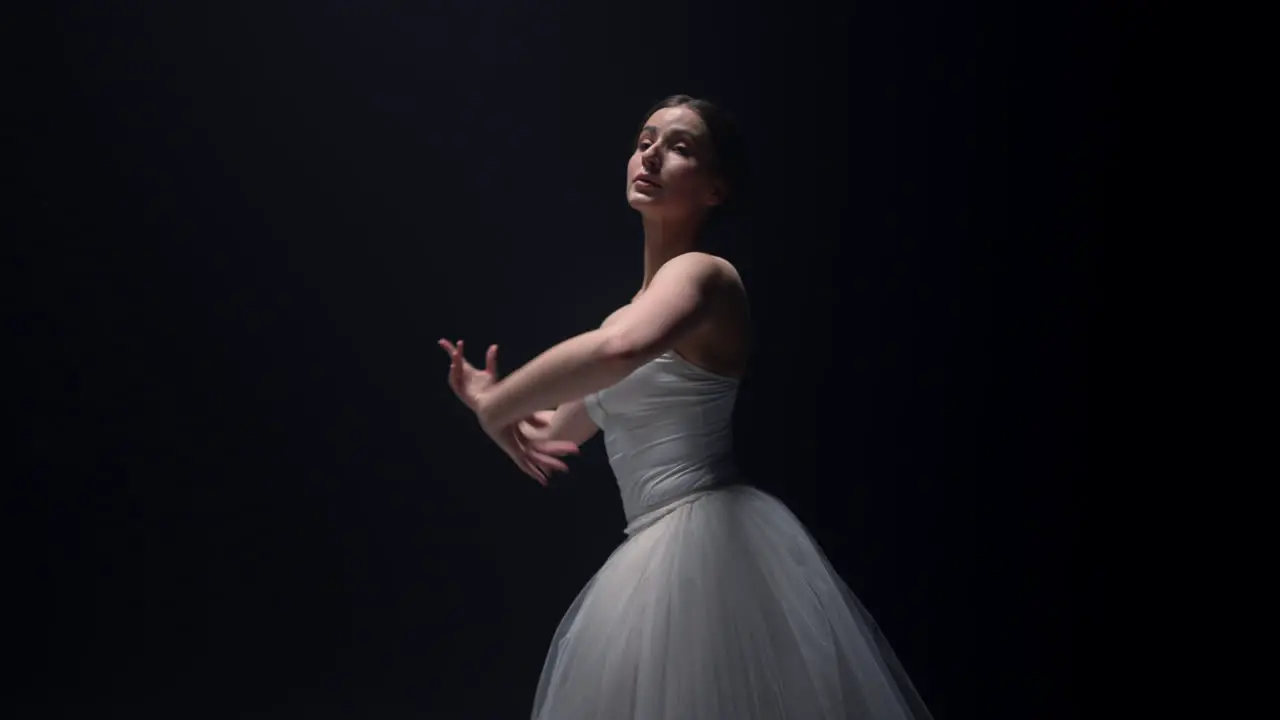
pixel 665 239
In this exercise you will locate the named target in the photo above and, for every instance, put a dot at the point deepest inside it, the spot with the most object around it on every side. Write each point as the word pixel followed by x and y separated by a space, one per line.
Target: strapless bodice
pixel 668 431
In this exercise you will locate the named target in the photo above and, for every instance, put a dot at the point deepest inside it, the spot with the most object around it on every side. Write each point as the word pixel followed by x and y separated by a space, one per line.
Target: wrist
pixel 484 408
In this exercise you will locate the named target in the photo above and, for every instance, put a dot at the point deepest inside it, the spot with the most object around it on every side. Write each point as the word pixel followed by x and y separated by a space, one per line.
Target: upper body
pixel 686 165
pixel 668 424
pixel 691 305
pixel 715 336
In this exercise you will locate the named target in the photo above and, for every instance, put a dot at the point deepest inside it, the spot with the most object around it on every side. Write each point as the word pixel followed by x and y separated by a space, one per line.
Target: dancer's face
pixel 670 173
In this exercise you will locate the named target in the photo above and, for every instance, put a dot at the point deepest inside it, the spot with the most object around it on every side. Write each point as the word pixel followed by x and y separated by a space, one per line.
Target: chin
pixel 642 202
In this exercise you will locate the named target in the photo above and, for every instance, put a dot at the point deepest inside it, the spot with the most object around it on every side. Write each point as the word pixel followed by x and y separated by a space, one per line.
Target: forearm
pixel 570 370
pixel 570 423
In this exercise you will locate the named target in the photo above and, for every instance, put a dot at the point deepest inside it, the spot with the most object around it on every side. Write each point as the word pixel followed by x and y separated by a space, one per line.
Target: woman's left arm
pixel 677 299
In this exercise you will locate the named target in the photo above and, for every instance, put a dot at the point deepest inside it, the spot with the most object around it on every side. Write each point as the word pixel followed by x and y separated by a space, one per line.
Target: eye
pixel 644 145
pixel 683 150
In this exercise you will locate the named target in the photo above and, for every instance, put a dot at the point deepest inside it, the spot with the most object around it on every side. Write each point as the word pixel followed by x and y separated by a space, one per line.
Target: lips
pixel 646 180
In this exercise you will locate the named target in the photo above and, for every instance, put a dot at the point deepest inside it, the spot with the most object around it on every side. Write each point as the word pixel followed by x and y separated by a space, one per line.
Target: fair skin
pixel 689 302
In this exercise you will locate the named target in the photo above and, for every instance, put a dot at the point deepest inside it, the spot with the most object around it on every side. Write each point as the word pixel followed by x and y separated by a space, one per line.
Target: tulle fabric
pixel 721 607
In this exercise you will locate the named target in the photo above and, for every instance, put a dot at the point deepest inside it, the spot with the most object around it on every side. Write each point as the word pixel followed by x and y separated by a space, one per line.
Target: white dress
pixel 719 605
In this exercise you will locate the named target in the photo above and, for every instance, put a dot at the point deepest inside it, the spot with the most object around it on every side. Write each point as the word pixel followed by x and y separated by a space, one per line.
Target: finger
pixel 454 375
pixel 546 461
pixel 535 473
pixel 491 361
pixel 448 346
pixel 529 470
pixel 542 418
pixel 526 461
pixel 547 447
pixel 536 424
pixel 552 469
pixel 518 457
pixel 514 450
pixel 525 468
pixel 555 447
pixel 529 431
pixel 548 473
pixel 455 371
pixel 462 359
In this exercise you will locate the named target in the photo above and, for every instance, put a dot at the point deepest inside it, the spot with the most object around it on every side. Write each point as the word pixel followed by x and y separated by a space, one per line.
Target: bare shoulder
pixel 700 261
pixel 710 272
pixel 718 270
pixel 720 343
pixel 727 280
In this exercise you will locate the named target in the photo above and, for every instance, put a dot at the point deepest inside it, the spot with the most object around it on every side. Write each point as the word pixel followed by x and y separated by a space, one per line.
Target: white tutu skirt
pixel 720 606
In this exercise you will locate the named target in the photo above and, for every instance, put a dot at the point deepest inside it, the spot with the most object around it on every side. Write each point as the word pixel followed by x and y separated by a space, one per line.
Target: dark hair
pixel 728 147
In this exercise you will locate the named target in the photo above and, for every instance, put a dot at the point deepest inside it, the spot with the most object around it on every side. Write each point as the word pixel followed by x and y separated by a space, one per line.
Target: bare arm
pixel 678 298
pixel 535 457
pixel 569 422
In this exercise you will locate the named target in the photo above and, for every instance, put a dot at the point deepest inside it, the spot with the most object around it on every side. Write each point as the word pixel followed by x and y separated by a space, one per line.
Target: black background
pixel 244 488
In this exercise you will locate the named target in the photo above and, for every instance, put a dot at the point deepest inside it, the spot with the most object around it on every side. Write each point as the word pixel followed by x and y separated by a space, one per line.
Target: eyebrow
pixel 653 130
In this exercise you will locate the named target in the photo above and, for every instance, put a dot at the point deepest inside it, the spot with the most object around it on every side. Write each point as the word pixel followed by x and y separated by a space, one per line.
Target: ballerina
pixel 719 605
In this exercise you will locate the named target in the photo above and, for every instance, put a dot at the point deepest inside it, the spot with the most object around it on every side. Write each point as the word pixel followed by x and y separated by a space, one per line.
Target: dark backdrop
pixel 244 489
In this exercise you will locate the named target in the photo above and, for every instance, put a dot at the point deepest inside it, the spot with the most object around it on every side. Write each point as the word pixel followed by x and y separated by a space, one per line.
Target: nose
pixel 650 159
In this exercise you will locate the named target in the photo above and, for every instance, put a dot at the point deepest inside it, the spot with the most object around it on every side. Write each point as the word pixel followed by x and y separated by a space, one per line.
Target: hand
pixel 526 443
pixel 464 379
pixel 537 457
pixel 537 427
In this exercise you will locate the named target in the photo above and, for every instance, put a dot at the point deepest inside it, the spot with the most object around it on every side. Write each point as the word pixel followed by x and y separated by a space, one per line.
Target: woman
pixel 718 604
